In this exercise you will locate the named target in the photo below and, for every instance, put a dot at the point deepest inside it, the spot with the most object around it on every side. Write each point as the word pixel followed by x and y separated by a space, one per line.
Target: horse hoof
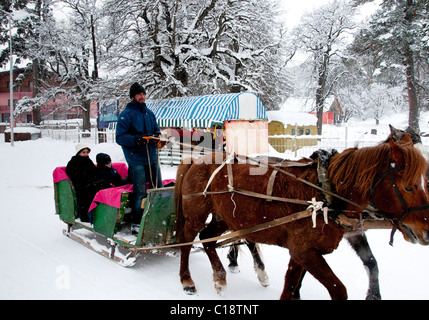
pixel 263 278
pixel 220 288
pixel 373 297
pixel 265 283
pixel 190 290
pixel 234 269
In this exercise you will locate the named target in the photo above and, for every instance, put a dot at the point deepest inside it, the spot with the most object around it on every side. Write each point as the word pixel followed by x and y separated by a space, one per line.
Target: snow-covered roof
pixel 292 118
pixel 24 130
pixel 207 111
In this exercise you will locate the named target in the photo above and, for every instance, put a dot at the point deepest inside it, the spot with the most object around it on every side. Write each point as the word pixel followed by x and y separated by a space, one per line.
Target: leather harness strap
pixel 270 185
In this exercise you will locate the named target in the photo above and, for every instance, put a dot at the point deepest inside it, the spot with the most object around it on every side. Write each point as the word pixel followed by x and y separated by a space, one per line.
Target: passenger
pixel 107 173
pixel 83 174
pixel 135 124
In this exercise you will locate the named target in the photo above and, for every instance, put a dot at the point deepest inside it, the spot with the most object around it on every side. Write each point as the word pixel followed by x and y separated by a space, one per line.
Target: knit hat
pixel 80 146
pixel 135 89
pixel 103 159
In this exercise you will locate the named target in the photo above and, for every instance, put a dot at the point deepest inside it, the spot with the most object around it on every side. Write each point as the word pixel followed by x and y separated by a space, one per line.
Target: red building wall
pixel 26 90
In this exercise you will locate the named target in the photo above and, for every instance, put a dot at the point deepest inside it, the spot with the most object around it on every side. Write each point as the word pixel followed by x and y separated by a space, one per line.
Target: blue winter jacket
pixel 134 122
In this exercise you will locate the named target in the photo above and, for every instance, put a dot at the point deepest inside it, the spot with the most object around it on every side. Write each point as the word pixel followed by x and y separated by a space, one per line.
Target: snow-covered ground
pixel 38 262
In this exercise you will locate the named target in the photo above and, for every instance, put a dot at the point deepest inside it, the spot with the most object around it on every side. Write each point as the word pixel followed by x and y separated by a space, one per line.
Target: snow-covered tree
pixel 189 47
pixel 322 33
pixel 27 16
pixel 66 50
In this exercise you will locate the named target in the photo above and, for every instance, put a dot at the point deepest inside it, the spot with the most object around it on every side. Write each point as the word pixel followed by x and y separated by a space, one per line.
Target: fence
pixel 76 134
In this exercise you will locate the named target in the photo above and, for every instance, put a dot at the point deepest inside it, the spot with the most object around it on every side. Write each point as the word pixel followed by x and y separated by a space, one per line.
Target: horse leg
pixel 314 263
pixel 185 275
pixel 359 243
pixel 292 280
pixel 232 257
pixel 214 229
pixel 297 293
pixel 189 234
pixel 258 264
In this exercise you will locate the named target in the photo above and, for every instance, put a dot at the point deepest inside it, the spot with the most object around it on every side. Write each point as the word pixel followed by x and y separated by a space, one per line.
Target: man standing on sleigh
pixel 136 124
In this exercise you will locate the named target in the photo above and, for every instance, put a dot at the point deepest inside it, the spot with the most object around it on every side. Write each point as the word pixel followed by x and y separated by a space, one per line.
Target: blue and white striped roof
pixel 207 111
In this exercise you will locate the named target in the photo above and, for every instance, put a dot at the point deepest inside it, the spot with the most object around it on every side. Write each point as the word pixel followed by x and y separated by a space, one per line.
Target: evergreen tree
pixel 397 36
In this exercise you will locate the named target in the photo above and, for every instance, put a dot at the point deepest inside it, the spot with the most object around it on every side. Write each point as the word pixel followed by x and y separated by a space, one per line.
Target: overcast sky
pixel 294 9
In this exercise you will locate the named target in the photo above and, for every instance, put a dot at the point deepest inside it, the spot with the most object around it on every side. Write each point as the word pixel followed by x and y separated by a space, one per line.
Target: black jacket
pixel 109 175
pixel 83 174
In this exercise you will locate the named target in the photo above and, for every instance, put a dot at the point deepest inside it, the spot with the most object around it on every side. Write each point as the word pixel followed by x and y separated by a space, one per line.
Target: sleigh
pixel 108 234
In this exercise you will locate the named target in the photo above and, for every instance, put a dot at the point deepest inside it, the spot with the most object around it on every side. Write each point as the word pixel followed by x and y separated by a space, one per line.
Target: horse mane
pixel 358 168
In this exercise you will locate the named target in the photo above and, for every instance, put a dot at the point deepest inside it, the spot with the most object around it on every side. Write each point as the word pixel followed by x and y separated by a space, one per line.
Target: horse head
pixel 401 194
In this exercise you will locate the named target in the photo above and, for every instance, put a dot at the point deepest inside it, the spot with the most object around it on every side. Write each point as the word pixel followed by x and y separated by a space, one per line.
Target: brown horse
pixel 390 176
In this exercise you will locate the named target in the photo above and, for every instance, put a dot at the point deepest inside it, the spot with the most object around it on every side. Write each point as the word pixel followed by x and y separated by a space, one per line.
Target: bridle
pixel 396 222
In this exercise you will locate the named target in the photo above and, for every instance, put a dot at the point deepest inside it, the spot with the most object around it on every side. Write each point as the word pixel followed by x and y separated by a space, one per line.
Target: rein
pixel 235 235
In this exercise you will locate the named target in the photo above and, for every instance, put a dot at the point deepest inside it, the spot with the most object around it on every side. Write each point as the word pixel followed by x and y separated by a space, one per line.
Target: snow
pixel 24 130
pixel 39 262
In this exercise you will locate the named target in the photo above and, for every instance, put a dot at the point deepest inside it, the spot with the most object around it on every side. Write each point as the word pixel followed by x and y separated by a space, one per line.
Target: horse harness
pixel 324 190
pixel 396 222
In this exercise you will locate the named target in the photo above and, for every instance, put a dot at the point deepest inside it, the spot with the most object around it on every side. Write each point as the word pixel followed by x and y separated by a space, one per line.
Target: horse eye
pixel 409 189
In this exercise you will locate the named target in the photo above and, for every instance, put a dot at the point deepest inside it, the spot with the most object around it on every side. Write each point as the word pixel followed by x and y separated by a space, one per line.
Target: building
pixel 50 111
pixel 335 114
pixel 24 90
pixel 289 130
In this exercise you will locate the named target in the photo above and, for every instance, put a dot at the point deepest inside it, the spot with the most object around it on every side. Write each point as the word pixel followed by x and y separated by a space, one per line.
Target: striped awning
pixel 187 123
pixel 207 111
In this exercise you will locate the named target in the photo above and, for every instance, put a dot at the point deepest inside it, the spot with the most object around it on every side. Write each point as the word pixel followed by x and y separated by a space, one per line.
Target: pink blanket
pixel 60 172
pixel 111 196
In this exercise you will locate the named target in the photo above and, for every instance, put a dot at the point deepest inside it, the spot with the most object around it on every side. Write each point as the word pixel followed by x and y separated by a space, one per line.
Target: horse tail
pixel 183 168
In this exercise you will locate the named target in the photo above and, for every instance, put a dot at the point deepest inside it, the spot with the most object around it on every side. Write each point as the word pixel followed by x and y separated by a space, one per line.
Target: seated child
pixel 107 173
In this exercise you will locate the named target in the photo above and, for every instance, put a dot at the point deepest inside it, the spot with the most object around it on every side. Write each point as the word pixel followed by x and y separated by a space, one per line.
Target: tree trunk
pixel 37 119
pixel 86 112
pixel 94 50
pixel 320 97
pixel 414 112
pixel 319 109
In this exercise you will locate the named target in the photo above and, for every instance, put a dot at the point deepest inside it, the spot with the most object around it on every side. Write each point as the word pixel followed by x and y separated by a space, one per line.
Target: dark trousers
pixel 139 176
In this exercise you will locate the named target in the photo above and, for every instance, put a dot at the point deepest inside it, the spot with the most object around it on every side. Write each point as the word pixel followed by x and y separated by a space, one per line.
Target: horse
pixel 390 177
pixel 356 238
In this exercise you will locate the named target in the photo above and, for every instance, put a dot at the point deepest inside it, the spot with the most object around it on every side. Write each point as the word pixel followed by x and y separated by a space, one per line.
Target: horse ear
pixel 396 154
pixel 407 139
pixel 395 133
